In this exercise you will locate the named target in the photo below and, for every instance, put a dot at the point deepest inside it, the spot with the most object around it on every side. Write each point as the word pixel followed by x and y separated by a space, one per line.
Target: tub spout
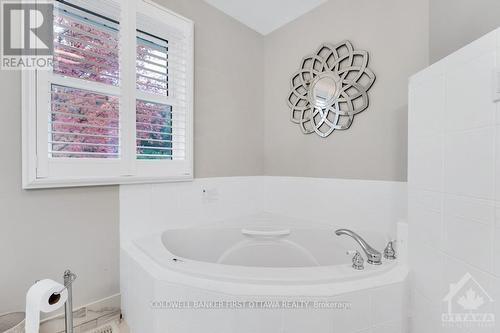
pixel 374 257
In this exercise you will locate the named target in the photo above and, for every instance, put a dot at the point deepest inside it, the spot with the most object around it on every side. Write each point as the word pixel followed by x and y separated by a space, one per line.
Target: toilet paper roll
pixel 43 296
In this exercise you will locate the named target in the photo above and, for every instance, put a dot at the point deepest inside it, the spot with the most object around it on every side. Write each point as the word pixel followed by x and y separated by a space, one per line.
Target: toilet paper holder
pixel 69 278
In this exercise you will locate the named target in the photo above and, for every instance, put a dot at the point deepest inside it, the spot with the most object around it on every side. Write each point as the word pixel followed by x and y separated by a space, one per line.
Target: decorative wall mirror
pixel 330 88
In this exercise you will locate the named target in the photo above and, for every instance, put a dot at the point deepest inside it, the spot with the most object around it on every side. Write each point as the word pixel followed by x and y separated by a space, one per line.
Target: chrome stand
pixel 69 277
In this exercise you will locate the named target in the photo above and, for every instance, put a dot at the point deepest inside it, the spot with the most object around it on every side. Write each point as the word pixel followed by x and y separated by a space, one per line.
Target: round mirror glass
pixel 323 91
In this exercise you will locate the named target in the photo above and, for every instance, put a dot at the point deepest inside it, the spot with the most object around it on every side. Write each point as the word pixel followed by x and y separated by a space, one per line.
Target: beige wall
pixel 43 232
pixel 395 32
pixel 456 23
pixel 228 92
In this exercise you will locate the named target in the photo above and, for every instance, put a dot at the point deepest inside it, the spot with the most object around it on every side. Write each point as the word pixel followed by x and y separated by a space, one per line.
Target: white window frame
pixel 40 171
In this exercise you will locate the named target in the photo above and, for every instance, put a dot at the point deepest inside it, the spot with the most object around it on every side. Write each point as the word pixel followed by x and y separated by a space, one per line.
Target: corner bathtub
pixel 165 278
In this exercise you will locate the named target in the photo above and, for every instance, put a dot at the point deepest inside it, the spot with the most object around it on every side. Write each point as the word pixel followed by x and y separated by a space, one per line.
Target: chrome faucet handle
pixel 374 257
pixel 389 252
pixel 358 263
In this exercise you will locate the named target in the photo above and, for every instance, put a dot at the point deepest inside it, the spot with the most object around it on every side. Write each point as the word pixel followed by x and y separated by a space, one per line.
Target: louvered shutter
pixel 117 105
pixel 163 88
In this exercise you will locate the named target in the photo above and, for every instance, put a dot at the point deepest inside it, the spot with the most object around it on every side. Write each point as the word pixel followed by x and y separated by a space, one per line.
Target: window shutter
pixel 117 106
pixel 163 100
pixel 83 124
pixel 85 45
pixel 78 109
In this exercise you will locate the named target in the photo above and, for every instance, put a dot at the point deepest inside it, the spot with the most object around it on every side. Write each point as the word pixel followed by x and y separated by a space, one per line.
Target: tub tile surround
pixel 496 242
pixel 470 151
pixel 150 208
pixel 393 327
pixel 357 204
pixel 457 110
pixel 454 181
pixel 390 304
pixel 428 317
pixel 259 320
pixel 371 310
pixel 497 166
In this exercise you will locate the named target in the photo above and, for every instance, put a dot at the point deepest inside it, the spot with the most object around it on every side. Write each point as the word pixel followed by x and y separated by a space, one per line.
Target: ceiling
pixel 265 16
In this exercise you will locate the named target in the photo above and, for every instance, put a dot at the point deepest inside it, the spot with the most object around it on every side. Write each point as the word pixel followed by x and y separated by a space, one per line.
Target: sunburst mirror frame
pixel 330 88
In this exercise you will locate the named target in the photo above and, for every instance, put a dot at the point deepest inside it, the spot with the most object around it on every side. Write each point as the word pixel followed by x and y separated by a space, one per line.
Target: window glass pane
pixel 154 130
pixel 152 75
pixel 85 45
pixel 83 124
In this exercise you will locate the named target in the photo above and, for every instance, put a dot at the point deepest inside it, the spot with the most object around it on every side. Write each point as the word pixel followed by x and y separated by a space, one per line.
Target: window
pixel 117 105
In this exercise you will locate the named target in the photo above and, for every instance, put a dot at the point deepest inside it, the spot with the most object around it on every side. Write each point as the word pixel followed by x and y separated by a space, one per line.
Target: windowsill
pixel 65 183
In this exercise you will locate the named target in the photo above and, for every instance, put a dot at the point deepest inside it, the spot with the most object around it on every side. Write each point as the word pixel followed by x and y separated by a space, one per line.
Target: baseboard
pixel 86 317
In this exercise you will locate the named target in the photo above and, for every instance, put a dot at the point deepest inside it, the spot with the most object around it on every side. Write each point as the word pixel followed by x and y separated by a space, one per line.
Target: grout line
pixel 496 179
pixel 370 307
pixel 444 227
pixel 467 129
pixel 496 182
pixel 389 322
pixel 428 300
pixel 489 274
pixel 492 248
pixel 417 188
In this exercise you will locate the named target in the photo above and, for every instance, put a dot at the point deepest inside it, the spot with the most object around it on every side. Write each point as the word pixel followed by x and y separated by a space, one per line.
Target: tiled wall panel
pixel 453 183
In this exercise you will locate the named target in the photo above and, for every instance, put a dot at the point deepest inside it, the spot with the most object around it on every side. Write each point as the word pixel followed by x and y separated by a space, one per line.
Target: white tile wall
pixel 497 165
pixel 473 108
pixel 427 199
pixel 454 225
pixel 496 252
pixel 357 204
pixel 370 310
pixel 150 208
pixel 393 327
pixel 469 163
pixel 454 267
pixel 389 304
pixel 428 176
pixel 255 321
pixel 430 228
pixel 496 295
pixel 425 315
pixel 482 211
pixel 469 241
pixel 357 317
pixel 427 265
pixel 320 321
pixel 429 97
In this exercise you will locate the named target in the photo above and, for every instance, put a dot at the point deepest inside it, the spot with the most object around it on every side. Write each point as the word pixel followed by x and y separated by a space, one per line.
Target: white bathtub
pixel 239 263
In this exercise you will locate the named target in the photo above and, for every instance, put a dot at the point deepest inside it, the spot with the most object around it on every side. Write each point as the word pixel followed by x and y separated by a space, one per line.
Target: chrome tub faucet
pixel 357 260
pixel 389 252
pixel 374 257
